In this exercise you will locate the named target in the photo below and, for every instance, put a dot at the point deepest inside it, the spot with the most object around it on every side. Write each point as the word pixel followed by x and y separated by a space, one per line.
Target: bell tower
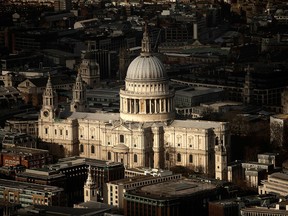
pixel 50 102
pixel 220 160
pixel 89 68
pixel 79 100
pixel 90 189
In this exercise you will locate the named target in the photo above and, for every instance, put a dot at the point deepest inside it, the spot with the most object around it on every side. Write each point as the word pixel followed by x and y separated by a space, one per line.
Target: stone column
pixel 124 105
pixel 130 105
pixel 134 100
pixel 156 146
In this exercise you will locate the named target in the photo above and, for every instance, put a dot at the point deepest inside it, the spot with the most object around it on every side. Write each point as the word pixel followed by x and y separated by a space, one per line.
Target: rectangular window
pixel 121 138
pixel 61 132
pixel 46 130
pixel 55 132
pixel 66 132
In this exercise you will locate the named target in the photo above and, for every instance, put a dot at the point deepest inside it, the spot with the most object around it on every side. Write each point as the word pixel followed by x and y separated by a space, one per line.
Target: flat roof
pixel 281 116
pixel 182 187
pixel 224 103
pixel 59 53
pixel 278 175
pixel 75 161
pixel 268 154
pixel 136 179
pixel 23 150
pixel 40 174
pixel 196 91
pixel 61 210
pixel 264 210
pixel 29 186
pixel 197 124
pixel 256 163
pixel 104 117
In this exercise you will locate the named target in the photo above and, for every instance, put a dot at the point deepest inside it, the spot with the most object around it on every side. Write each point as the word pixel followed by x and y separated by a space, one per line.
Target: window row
pixel 56 131
pixel 178 157
pixel 82 149
pixel 135 157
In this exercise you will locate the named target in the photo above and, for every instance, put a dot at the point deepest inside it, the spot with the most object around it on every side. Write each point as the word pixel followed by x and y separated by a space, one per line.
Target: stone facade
pixel 144 133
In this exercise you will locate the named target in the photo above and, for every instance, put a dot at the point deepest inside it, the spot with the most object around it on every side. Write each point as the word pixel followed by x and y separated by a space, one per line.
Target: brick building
pixel 28 194
pixel 28 157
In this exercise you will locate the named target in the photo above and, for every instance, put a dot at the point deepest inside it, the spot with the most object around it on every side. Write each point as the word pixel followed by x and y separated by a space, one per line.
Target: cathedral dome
pixel 146 67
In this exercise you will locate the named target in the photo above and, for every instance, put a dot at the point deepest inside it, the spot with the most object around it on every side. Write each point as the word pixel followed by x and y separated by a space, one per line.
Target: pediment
pixel 128 126
pixel 122 127
pixel 27 84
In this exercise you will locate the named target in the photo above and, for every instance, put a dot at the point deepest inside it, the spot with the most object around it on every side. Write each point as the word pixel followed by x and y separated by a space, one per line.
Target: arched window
pixel 135 158
pixel 190 158
pixel 121 138
pixel 178 157
pixel 109 155
pixel 81 148
pixel 92 149
pixel 167 156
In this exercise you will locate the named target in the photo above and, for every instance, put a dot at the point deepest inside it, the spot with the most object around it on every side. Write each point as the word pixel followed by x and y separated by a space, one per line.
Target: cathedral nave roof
pixel 104 117
pixel 195 124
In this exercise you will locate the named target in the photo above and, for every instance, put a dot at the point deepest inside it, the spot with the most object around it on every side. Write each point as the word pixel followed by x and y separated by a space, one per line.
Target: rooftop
pixel 59 210
pixel 104 117
pixel 135 179
pixel 265 210
pixel 76 161
pixel 24 151
pixel 28 186
pixel 195 124
pixel 196 91
pixel 55 80
pixel 40 174
pixel 171 189
pixel 59 53
pixel 281 116
pixel 281 176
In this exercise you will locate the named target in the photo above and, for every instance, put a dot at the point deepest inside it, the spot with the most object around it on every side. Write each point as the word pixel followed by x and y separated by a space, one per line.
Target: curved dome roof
pixel 146 68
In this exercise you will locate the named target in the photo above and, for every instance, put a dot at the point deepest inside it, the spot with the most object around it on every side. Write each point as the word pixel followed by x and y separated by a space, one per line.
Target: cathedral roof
pixel 198 124
pixel 146 67
pixel 95 116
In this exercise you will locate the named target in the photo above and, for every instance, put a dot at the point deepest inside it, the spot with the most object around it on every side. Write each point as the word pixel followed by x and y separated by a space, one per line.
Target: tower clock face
pixel 46 113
